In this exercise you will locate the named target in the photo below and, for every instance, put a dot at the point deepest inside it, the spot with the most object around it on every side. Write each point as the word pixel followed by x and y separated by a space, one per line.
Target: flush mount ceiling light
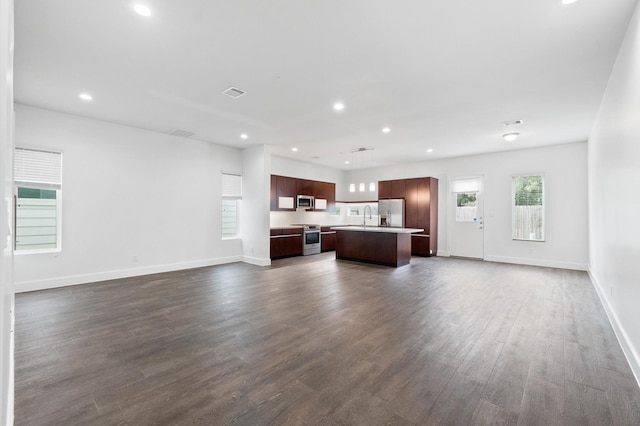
pixel 566 2
pixel 510 137
pixel 294 149
pixel 386 130
pixel 142 10
pixel 244 136
pixel 429 150
pixel 338 106
pixel 85 96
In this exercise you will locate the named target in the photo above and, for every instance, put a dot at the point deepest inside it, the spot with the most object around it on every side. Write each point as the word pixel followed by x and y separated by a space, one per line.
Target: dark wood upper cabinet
pixel 384 189
pixel 398 188
pixel 320 190
pixel 284 186
pixel 305 186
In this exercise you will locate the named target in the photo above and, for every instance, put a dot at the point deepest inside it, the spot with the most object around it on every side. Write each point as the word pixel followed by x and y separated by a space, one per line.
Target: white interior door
pixel 466 217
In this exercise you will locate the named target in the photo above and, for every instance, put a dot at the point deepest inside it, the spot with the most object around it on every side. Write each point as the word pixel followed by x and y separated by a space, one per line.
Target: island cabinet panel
pixel 384 189
pixel 286 242
pixel 382 248
pixel 327 239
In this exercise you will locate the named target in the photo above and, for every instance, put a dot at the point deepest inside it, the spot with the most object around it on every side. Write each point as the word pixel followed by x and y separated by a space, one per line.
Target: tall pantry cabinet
pixel 420 210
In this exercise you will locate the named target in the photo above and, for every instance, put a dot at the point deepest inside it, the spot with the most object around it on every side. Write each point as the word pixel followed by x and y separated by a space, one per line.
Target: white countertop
pixel 377 229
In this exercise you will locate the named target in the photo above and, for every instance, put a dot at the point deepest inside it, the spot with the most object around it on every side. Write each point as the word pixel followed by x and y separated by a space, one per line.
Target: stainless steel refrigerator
pixel 391 213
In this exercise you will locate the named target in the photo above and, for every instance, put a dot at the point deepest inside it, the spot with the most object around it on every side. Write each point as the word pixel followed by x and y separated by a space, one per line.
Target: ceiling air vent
pixel 513 122
pixel 181 133
pixel 233 92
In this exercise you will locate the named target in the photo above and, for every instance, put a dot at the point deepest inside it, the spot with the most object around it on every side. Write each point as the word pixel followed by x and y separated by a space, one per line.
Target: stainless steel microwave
pixel 305 202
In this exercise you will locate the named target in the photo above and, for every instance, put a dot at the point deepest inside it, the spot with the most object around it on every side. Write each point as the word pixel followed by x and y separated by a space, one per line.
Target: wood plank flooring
pixel 315 341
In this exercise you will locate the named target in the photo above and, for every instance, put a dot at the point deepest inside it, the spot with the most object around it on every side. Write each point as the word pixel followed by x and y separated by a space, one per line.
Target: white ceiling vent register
pixel 513 122
pixel 233 92
pixel 181 133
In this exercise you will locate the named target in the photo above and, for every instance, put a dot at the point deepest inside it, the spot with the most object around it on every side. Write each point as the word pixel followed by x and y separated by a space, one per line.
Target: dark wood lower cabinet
pixel 327 239
pixel 420 245
pixel 286 242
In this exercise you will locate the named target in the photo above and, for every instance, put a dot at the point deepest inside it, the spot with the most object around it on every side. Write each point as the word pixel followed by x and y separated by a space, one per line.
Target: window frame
pixel 52 181
pixel 58 247
pixel 543 206
pixel 237 197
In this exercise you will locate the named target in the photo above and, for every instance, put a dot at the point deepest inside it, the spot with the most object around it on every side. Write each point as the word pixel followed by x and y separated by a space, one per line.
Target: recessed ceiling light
pixel 338 106
pixel 141 9
pixel 244 136
pixel 510 137
pixel 346 162
pixel 294 149
pixel 386 130
pixel 430 150
pixel 85 96
pixel 566 2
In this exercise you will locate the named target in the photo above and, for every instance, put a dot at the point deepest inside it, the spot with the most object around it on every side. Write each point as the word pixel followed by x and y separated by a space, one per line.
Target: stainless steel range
pixel 311 240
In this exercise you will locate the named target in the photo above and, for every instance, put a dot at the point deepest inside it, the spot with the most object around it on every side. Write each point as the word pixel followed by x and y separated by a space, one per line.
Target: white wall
pixel 133 201
pixel 256 183
pixel 6 212
pixel 565 170
pixel 303 170
pixel 614 201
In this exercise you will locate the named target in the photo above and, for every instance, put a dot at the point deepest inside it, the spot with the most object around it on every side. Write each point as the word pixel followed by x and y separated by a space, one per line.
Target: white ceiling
pixel 442 75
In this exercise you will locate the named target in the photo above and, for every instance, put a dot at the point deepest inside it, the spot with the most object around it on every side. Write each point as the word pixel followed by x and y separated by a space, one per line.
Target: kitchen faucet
pixel 364 215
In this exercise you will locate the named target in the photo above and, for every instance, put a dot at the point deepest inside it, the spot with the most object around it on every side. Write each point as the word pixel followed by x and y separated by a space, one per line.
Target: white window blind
pixel 465 185
pixel 231 185
pixel 42 168
pixel 229 218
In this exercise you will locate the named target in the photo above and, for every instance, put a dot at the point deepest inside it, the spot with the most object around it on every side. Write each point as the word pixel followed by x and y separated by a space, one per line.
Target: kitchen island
pixel 372 244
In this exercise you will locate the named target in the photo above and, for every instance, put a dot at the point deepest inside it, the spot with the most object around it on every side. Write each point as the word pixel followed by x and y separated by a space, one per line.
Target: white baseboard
pixel 21 287
pixel 538 262
pixel 630 352
pixel 256 261
pixel 443 253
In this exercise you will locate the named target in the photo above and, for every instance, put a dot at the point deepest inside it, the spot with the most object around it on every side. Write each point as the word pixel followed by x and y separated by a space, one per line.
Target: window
pixel 528 208
pixel 466 207
pixel 466 193
pixel 231 198
pixel 38 179
pixel 358 209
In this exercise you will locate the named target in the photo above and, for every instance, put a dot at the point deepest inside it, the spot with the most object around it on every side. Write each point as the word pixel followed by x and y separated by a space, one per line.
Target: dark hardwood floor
pixel 312 340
